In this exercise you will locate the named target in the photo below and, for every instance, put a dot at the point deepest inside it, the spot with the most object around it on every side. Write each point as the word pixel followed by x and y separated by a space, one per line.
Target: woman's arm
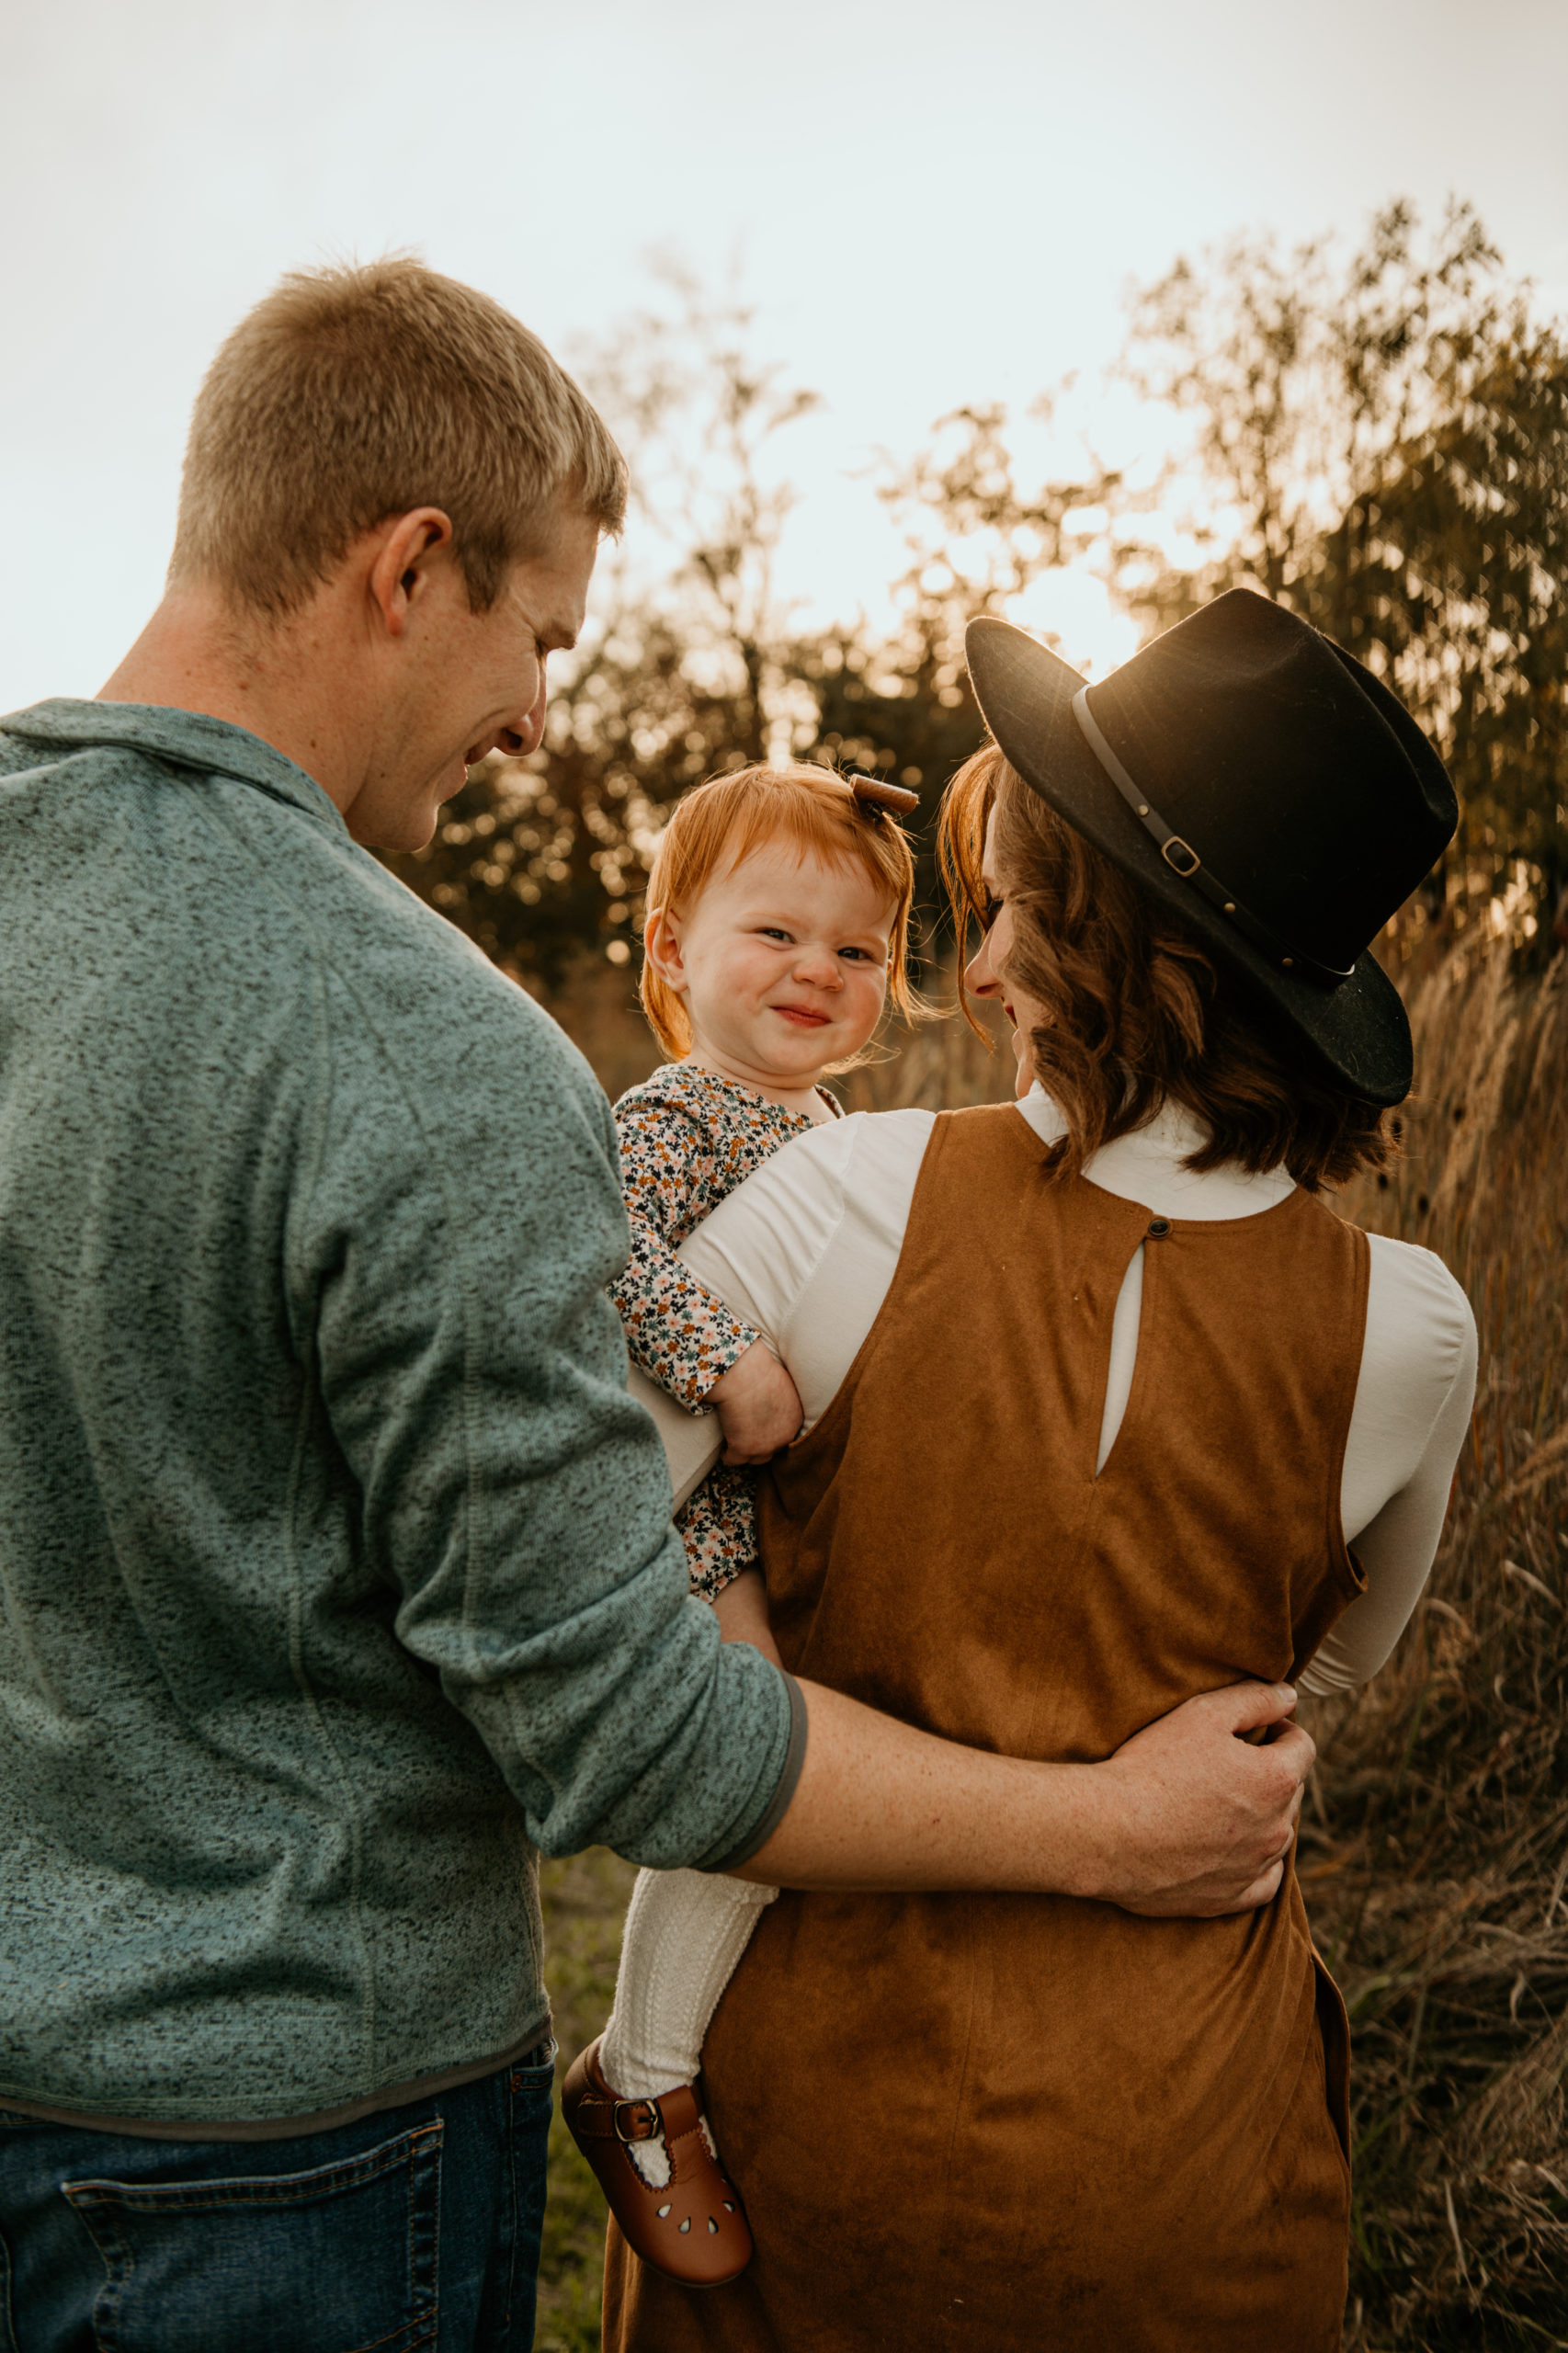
pixel 764 1249
pixel 1418 1365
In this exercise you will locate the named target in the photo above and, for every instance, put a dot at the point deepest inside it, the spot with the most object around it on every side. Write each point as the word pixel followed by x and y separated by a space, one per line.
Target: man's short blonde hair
pixel 354 393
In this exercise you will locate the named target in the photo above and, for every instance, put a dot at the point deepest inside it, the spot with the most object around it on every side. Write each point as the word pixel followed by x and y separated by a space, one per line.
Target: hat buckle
pixel 1183 860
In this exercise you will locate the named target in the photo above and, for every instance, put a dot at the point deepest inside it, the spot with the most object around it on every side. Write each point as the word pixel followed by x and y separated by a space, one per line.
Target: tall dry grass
pixel 1434 1855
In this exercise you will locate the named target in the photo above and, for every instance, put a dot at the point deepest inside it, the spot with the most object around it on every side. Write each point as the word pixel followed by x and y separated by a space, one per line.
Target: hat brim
pixel 1358 1032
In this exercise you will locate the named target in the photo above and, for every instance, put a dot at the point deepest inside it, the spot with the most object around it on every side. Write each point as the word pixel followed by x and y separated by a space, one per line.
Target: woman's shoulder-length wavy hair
pixel 1136 1013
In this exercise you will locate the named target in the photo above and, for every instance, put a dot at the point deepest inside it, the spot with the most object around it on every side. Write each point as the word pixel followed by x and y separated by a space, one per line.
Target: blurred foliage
pixel 1387 439
pixel 1378 439
pixel 1379 442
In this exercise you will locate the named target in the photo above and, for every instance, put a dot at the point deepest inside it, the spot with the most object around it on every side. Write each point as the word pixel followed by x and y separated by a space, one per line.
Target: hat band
pixel 1185 861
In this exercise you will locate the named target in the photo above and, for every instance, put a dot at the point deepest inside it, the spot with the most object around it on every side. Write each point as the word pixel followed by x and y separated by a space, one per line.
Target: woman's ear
pixel 661 948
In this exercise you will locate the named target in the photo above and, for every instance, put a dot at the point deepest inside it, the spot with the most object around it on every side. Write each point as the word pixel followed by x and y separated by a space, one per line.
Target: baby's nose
pixel 820 966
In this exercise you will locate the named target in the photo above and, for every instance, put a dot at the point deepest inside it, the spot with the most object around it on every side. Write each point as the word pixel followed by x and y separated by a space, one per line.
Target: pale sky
pixel 932 203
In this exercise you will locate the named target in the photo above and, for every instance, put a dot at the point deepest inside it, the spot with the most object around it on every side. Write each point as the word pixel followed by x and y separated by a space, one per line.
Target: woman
pixel 1122 1340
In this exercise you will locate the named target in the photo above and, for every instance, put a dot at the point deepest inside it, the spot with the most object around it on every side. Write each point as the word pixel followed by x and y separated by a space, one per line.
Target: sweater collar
pixel 190 739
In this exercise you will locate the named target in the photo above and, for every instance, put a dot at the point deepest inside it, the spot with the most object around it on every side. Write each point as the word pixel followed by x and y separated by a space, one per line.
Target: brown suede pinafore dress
pixel 1024 2122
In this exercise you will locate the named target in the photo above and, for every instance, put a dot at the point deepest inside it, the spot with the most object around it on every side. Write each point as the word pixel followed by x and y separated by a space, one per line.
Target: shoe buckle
pixel 636 2119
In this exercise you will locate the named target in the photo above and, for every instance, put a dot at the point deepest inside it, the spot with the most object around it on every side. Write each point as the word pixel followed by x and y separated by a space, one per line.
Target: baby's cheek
pixel 870 996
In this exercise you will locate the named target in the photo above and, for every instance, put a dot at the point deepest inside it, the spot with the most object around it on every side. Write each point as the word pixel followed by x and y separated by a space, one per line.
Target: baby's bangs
pixel 828 823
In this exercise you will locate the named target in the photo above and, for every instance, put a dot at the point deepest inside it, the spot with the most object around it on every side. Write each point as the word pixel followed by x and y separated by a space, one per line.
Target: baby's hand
pixel 759 1406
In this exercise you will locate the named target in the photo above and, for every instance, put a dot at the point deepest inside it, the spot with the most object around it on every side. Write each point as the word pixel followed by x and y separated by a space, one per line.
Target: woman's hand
pixel 1199 1820
pixel 759 1406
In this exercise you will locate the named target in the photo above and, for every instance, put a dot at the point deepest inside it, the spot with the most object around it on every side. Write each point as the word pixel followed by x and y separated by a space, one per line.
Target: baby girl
pixel 778 927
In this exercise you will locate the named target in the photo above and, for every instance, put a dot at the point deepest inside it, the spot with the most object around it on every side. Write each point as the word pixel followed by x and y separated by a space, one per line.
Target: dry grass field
pixel 1435 1847
pixel 1435 1856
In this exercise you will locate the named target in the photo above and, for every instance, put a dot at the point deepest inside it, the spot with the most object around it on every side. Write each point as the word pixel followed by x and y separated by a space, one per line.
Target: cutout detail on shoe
pixel 686 2226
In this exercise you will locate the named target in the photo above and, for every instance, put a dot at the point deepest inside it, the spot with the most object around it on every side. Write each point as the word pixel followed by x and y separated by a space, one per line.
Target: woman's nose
pixel 978 977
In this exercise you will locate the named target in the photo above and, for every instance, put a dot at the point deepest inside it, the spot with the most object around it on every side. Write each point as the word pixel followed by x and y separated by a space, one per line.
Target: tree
pixel 902 707
pixel 1382 445
pixel 1379 442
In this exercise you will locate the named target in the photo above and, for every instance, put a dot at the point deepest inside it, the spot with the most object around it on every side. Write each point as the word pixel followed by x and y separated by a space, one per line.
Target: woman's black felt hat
pixel 1260 781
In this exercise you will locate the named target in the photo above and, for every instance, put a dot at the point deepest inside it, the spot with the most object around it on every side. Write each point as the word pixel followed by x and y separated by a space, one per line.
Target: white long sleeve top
pixel 806 1249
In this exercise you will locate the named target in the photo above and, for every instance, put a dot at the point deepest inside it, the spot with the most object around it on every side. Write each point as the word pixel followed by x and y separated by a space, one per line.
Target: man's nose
pixel 528 733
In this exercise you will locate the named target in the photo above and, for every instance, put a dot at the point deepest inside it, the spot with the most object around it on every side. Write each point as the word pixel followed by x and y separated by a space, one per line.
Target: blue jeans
pixel 418 2226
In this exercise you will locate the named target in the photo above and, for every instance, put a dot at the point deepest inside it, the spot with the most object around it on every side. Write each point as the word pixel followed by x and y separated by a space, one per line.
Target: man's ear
pixel 401 568
pixel 661 948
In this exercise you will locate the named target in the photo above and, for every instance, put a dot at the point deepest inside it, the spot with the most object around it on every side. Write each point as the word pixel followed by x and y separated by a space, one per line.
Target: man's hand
pixel 1187 1818
pixel 1198 1821
pixel 759 1406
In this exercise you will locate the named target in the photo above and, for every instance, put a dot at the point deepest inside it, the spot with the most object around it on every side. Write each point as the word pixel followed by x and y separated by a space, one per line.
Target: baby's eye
pixel 862 956
pixel 772 931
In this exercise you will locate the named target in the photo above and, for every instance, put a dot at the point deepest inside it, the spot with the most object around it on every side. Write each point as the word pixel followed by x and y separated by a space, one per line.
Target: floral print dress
pixel 687 1138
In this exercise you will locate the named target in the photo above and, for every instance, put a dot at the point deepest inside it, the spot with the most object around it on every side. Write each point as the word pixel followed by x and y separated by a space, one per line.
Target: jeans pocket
pixel 536 2070
pixel 339 2259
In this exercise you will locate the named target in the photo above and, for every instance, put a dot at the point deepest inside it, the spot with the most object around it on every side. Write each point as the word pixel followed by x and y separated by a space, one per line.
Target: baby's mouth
pixel 804 1015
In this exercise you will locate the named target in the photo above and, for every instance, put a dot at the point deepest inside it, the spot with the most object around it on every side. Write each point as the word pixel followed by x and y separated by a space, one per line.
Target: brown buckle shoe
pixel 694 2228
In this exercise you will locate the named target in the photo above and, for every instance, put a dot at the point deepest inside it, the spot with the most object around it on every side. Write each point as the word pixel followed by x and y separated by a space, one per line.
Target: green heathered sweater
pixel 336 1574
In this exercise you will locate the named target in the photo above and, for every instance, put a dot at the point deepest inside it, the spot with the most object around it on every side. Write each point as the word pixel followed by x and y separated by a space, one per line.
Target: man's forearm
pixel 1187 1818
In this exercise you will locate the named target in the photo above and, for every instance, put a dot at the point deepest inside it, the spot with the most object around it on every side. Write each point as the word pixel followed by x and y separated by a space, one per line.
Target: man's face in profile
pixel 461 684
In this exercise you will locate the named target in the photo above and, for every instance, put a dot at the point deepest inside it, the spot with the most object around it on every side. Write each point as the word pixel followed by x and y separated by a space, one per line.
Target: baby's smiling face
pixel 782 966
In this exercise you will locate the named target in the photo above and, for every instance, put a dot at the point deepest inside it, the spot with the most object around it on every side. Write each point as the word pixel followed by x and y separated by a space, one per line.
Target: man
pixel 338 1576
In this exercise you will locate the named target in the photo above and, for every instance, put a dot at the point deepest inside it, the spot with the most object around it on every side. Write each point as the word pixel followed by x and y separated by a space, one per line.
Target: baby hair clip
pixel 874 796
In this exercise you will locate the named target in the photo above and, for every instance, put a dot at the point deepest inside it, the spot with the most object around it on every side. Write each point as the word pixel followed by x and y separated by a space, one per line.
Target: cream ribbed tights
pixel 685 1933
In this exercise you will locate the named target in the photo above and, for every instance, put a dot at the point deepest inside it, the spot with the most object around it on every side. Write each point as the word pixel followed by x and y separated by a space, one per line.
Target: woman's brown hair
pixel 1137 1013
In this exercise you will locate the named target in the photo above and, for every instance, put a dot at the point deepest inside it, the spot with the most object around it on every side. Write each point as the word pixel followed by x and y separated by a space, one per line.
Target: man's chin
pixel 410 830
pixel 423 820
